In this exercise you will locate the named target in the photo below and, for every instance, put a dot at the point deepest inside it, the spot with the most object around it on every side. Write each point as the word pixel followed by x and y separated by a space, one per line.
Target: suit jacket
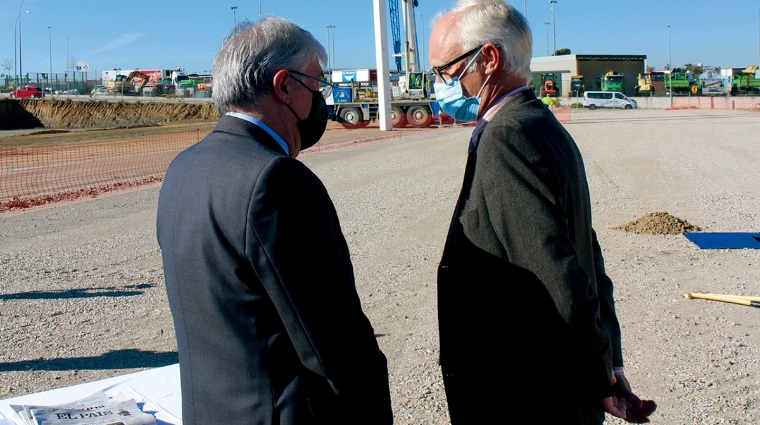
pixel 269 326
pixel 523 298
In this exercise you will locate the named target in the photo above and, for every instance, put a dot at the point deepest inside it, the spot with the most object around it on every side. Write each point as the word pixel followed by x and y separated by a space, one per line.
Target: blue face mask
pixel 454 103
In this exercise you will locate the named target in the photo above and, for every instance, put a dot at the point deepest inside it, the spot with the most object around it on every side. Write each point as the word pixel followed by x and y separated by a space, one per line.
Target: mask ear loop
pixel 483 86
pixel 466 67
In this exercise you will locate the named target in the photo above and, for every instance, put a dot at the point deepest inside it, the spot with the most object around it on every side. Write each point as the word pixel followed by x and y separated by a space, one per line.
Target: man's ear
pixel 280 86
pixel 491 58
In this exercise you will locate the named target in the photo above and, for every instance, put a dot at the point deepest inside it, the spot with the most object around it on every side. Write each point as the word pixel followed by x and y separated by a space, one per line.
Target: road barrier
pixel 562 113
pixel 38 175
pixel 715 102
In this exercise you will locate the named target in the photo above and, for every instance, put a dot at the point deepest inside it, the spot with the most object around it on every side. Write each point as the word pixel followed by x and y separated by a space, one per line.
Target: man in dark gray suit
pixel 270 329
pixel 526 311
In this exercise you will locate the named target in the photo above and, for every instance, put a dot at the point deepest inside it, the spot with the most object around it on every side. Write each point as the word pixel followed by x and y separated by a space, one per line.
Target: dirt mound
pixel 658 223
pixel 104 114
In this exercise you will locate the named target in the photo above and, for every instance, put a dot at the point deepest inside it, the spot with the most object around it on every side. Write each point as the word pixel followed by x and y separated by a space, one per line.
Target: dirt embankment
pixel 60 114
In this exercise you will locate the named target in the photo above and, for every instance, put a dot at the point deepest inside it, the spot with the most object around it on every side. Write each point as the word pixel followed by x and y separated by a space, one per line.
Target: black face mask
pixel 313 126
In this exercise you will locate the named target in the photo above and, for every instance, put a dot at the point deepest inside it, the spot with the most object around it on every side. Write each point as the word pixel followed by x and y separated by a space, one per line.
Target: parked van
pixel 607 99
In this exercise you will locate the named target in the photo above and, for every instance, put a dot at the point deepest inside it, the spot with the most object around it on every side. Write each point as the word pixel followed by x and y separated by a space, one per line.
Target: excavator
pixel 121 80
pixel 137 74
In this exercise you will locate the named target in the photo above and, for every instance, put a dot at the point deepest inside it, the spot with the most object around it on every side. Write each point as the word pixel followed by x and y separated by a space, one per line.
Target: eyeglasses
pixel 323 84
pixel 438 69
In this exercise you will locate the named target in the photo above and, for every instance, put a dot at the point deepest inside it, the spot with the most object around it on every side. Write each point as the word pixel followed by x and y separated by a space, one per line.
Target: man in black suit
pixel 270 329
pixel 526 311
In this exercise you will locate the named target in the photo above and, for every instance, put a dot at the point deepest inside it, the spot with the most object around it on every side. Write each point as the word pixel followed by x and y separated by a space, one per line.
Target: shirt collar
pixel 490 113
pixel 264 127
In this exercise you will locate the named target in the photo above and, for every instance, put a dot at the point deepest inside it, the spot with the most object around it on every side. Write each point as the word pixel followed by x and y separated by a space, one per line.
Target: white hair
pixel 494 21
pixel 253 53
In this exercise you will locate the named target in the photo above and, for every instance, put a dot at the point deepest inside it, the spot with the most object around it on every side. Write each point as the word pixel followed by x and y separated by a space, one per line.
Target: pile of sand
pixel 658 223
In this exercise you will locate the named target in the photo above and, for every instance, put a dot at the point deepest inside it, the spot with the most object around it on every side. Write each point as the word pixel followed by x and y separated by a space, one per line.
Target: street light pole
pixel 546 24
pixel 15 47
pixel 50 76
pixel 328 50
pixel 525 8
pixel 758 35
pixel 234 15
pixel 554 30
pixel 333 46
pixel 66 75
pixel 422 21
pixel 20 68
pixel 259 10
pixel 670 69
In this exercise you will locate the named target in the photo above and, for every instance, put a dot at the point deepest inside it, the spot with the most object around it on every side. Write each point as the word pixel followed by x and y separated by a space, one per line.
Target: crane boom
pixel 413 57
pixel 395 32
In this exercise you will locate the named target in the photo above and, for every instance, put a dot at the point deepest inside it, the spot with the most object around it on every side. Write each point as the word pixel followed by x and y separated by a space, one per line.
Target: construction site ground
pixel 83 295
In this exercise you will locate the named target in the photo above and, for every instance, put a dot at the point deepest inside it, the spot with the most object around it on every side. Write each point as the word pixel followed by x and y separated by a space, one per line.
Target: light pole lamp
pixel 234 15
pixel 546 24
pixel 554 20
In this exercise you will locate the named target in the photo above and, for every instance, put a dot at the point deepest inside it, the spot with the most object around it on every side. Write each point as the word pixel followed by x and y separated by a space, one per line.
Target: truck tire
pixel 592 106
pixel 398 117
pixel 628 107
pixel 419 116
pixel 352 118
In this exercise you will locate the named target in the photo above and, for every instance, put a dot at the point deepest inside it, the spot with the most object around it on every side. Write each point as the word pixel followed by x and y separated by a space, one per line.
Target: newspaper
pixel 96 409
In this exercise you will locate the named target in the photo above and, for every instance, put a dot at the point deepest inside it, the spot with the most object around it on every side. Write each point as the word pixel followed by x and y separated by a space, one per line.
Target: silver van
pixel 607 99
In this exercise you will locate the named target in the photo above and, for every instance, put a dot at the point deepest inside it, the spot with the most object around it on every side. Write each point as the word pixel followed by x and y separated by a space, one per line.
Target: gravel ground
pixel 82 294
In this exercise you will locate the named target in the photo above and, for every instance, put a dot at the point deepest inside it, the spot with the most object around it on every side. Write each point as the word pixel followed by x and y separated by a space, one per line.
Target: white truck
pixel 353 100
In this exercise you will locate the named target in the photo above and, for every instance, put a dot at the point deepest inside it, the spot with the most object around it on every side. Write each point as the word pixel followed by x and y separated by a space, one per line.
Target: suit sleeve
pixel 301 257
pixel 524 197
pixel 607 312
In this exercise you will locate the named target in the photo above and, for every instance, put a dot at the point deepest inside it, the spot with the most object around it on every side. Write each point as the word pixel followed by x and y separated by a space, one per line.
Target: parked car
pixel 99 90
pixel 27 91
pixel 607 99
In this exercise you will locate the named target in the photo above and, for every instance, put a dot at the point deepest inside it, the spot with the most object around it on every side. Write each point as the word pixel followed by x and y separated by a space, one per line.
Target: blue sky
pixel 162 35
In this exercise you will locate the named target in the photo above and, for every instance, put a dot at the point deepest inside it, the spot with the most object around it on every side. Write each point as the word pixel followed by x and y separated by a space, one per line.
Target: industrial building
pixel 591 67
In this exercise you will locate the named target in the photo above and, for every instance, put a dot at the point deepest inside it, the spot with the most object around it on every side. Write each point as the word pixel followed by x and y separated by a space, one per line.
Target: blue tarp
pixel 718 240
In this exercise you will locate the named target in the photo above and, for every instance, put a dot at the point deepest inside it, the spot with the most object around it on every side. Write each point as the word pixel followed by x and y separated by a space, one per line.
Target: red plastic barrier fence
pixel 37 175
pixel 562 113
pixel 715 102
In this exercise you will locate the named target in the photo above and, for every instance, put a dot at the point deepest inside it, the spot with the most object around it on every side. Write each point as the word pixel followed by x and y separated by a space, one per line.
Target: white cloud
pixel 123 40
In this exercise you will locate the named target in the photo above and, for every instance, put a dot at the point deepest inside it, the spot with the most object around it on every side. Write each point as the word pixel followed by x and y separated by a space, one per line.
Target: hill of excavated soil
pixel 60 114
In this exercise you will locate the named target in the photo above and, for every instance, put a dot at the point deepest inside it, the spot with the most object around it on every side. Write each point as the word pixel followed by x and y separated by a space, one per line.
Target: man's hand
pixel 625 404
pixel 614 407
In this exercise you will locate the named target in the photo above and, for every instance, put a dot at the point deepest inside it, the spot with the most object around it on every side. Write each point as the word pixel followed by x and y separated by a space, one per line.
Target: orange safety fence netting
pixel 38 175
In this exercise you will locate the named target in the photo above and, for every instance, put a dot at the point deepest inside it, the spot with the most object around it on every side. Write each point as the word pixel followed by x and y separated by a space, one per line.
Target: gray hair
pixel 494 21
pixel 253 53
